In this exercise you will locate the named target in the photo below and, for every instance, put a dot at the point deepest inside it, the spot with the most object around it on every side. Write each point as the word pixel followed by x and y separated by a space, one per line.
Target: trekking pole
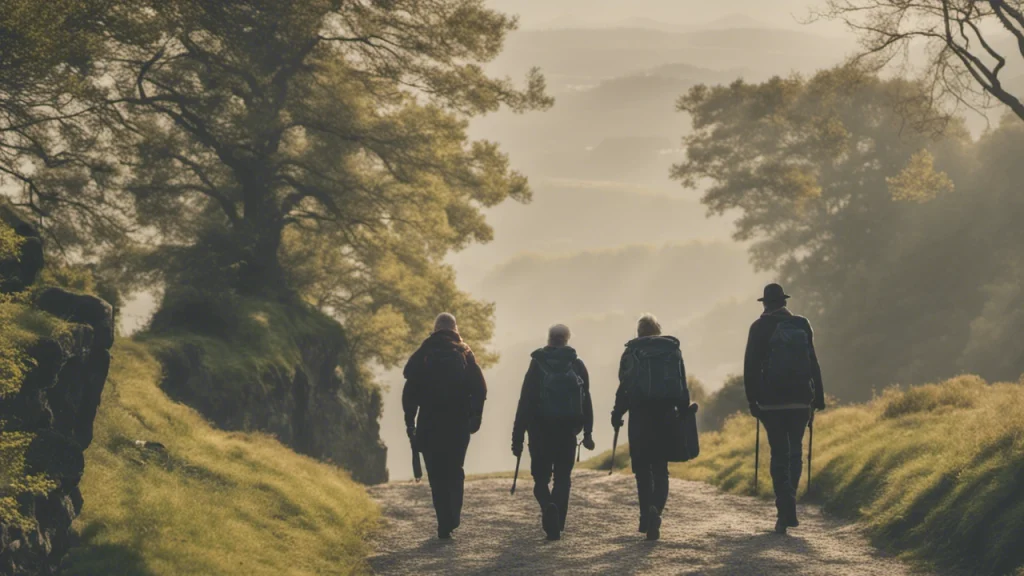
pixel 615 443
pixel 810 454
pixel 579 451
pixel 516 477
pixel 757 453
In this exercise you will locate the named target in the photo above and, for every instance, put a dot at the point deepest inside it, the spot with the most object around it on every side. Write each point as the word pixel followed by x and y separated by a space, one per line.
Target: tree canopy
pixel 842 195
pixel 336 124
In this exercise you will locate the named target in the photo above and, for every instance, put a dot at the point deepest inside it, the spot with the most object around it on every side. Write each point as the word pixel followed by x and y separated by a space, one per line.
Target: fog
pixel 608 236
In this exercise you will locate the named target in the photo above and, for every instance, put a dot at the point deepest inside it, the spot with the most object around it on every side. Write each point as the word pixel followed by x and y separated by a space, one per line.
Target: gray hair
pixel 445 321
pixel 558 335
pixel 648 325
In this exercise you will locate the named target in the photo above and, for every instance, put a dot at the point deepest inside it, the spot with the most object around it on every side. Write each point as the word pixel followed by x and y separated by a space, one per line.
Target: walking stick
pixel 516 477
pixel 615 443
pixel 757 453
pixel 810 454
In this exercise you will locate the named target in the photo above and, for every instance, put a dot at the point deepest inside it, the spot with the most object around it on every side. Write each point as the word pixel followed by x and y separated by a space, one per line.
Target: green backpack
pixel 658 369
pixel 561 389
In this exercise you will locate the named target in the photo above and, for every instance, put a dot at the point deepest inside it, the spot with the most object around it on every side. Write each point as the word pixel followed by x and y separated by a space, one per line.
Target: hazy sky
pixel 558 13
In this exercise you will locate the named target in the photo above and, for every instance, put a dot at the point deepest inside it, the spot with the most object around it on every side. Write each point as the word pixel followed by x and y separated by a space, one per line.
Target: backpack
pixel 561 392
pixel 658 372
pixel 788 371
pixel 445 367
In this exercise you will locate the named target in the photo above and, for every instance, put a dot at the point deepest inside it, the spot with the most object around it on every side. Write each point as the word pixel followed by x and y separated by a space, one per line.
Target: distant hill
pixel 676 281
pixel 567 217
pixel 616 89
pixel 611 52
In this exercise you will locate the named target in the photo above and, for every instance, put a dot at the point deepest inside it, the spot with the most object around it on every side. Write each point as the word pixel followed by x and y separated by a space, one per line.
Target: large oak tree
pixel 318 146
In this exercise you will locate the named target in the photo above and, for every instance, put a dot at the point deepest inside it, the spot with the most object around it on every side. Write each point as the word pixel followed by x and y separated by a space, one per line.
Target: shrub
pixel 962 392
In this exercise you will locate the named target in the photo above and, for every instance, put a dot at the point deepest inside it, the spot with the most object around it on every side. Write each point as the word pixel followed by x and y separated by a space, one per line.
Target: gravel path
pixel 704 532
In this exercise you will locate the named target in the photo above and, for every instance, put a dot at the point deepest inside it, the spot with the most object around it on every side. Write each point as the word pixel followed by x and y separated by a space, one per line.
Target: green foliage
pixel 214 502
pixel 20 327
pixel 15 482
pixel 726 401
pixel 54 153
pixel 242 339
pixel 852 190
pixel 10 243
pixel 319 148
pixel 919 182
pixel 932 472
pixel 963 392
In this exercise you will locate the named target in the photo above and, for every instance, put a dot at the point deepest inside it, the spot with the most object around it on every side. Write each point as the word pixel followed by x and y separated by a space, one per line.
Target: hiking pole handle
pixel 515 478
pixel 615 443
pixel 757 454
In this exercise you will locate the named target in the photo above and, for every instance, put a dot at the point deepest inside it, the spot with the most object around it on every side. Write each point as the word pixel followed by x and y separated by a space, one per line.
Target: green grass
pixel 214 502
pixel 241 338
pixel 935 473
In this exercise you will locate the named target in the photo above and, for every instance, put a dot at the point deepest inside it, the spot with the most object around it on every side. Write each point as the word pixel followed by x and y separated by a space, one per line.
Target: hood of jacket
pixel 445 339
pixel 654 342
pixel 562 353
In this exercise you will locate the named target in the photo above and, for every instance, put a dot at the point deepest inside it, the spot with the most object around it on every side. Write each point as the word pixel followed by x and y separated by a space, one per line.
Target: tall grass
pixel 935 472
pixel 207 502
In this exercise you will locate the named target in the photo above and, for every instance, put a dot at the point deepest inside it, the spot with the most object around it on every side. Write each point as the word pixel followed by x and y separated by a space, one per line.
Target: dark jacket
pixel 627 367
pixel 462 418
pixel 757 355
pixel 528 413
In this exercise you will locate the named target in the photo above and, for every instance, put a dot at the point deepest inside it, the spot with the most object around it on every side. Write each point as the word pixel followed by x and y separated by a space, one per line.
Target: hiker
pixel 783 385
pixel 652 388
pixel 446 386
pixel 554 407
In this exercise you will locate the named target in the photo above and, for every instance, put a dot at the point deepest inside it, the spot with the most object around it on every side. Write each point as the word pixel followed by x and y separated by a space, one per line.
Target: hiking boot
pixel 444 533
pixel 792 520
pixel 551 521
pixel 653 524
pixel 643 525
pixel 780 526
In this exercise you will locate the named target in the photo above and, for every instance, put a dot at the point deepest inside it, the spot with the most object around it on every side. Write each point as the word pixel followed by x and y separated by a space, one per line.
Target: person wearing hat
pixel 783 386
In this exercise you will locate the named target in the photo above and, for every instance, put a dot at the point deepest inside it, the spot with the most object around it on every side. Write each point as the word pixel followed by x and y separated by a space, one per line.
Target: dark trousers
pixel 785 430
pixel 651 485
pixel 552 453
pixel 649 455
pixel 445 473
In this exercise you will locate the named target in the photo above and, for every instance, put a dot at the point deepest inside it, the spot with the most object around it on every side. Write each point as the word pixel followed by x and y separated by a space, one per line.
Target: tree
pixel 51 130
pixel 256 130
pixel 970 46
pixel 831 182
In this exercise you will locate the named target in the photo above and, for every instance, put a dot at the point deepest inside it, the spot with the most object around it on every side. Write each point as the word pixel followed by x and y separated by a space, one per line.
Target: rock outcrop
pixel 50 416
pixel 288 373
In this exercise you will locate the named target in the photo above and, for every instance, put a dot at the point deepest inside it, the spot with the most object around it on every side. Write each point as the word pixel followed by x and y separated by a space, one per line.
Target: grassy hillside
pixel 935 472
pixel 210 502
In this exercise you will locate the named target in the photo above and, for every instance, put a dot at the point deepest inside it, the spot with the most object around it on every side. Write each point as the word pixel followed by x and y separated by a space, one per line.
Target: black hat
pixel 774 293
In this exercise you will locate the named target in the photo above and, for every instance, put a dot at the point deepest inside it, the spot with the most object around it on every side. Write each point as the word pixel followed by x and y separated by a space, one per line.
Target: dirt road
pixel 704 532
